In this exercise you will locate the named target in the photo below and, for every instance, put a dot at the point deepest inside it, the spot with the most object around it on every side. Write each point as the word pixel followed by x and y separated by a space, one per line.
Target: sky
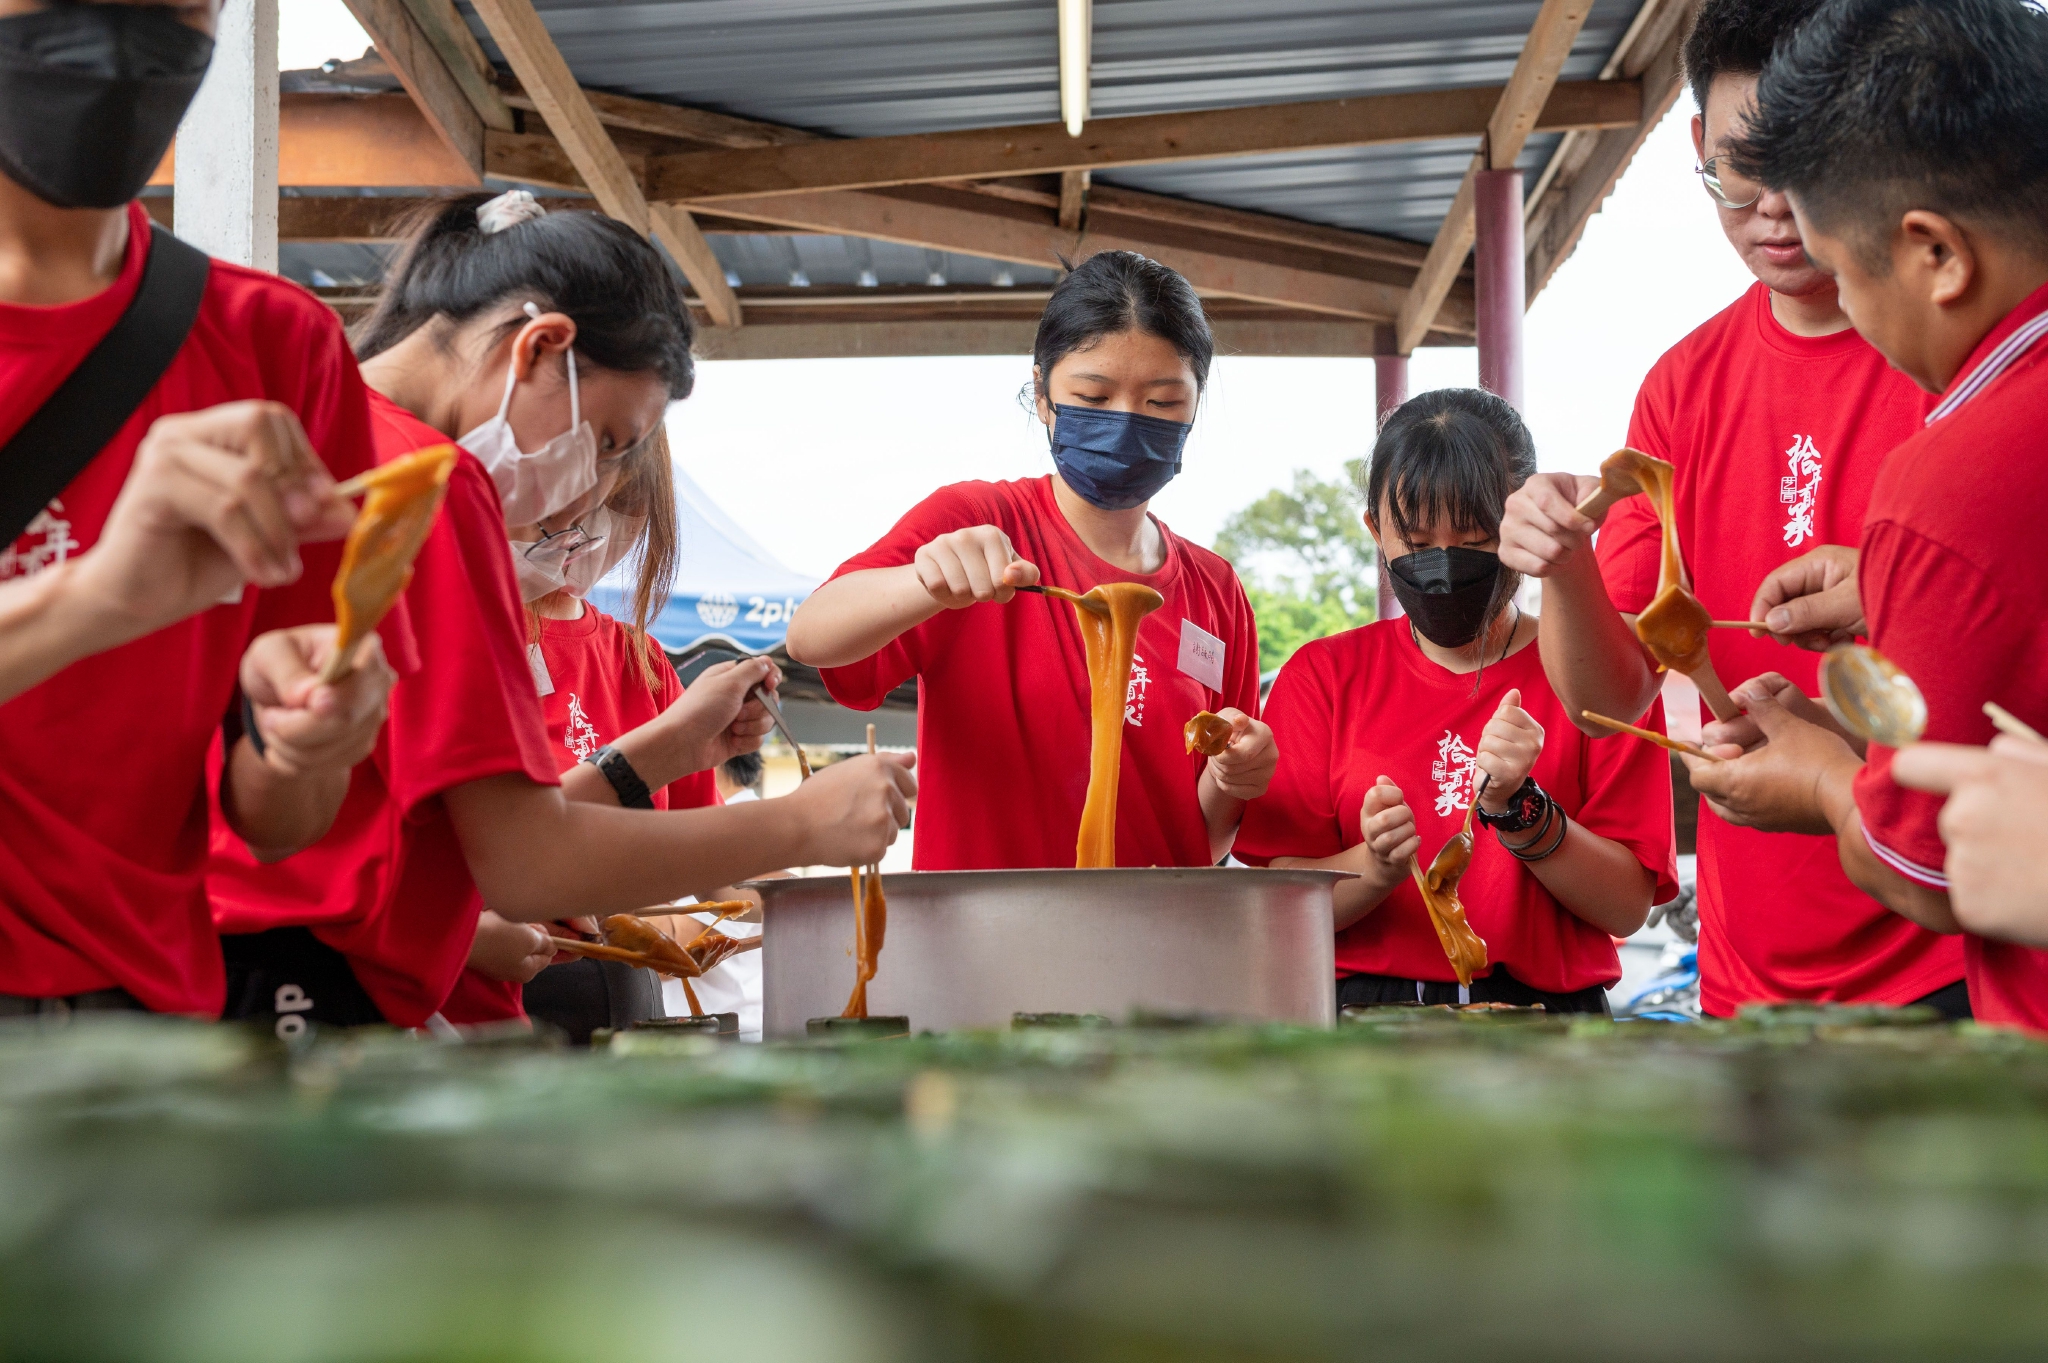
pixel 817 458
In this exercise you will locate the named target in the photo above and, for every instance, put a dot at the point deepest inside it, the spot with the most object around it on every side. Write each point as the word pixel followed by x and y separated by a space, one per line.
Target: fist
pixel 306 725
pixel 715 720
pixel 1387 828
pixel 964 567
pixel 853 810
pixel 514 952
pixel 1245 767
pixel 1540 528
pixel 1813 601
pixel 1508 748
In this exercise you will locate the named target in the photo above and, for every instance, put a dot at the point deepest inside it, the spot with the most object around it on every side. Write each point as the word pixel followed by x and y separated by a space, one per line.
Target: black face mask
pixel 90 98
pixel 1446 592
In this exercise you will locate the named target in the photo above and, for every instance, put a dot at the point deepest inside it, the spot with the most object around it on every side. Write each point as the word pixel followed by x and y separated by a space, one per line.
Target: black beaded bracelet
pixel 249 729
pixel 1522 852
pixel 632 791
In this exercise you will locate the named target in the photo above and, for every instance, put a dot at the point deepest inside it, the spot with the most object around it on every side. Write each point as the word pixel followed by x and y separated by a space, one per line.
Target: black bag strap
pixel 92 405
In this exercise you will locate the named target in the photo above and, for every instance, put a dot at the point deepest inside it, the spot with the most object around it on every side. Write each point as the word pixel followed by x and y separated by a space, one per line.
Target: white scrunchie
pixel 509 209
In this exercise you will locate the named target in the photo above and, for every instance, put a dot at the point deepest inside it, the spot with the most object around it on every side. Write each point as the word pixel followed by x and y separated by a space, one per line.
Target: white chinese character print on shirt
pixel 580 737
pixel 1798 489
pixel 1453 771
pixel 47 541
pixel 1134 695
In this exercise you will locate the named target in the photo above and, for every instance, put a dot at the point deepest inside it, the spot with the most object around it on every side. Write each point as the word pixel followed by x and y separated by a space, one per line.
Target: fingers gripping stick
pixel 400 501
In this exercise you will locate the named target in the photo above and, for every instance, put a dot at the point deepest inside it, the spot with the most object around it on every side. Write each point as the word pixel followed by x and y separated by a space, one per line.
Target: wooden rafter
pixel 464 57
pixel 426 77
pixel 1147 139
pixel 524 40
pixel 1514 117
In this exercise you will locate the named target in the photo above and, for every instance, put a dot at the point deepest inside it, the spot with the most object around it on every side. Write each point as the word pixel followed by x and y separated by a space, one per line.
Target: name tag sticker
pixel 542 682
pixel 1201 655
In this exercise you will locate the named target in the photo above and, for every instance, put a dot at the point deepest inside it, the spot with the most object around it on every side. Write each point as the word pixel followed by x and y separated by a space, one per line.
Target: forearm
pixel 274 814
pixel 535 855
pixel 1870 873
pixel 1221 814
pixel 853 617
pixel 42 632
pixel 1598 880
pixel 1590 654
pixel 1353 899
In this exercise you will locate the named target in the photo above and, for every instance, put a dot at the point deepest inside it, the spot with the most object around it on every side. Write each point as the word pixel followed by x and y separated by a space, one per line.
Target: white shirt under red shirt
pixel 1368 702
pixel 1777 439
pixel 1955 589
pixel 1002 715
pixel 103 766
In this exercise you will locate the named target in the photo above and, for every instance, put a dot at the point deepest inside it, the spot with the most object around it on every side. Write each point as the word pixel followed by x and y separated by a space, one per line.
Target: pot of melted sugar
pixel 972 948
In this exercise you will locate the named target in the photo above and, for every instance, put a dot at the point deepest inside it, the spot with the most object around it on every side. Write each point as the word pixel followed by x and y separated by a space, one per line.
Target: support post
pixel 1390 390
pixel 1499 284
pixel 226 182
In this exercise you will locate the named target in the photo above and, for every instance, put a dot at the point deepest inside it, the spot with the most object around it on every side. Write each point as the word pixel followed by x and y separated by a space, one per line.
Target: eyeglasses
pixel 559 546
pixel 1729 188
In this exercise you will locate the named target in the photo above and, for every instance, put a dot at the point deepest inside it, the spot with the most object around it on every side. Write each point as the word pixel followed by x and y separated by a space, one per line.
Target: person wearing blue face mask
pixel 1121 355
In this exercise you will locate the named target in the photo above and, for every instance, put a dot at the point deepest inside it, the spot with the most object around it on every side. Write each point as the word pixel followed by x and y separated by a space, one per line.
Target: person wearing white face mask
pixel 490 314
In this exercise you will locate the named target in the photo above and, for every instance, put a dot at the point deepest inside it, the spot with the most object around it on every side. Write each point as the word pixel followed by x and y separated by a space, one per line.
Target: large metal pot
pixel 971 948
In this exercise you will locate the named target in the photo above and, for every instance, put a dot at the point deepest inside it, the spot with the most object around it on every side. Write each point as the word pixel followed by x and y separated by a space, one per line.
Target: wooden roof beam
pixel 1515 116
pixel 1145 139
pixel 434 88
pixel 524 40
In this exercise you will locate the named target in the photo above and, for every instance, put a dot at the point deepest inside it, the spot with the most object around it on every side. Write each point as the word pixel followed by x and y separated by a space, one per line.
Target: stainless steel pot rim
pixel 968 880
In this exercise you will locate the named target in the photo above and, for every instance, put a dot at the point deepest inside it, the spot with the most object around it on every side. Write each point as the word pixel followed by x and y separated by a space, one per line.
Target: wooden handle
pixel 1596 504
pixel 1716 695
pixel 1661 740
pixel 2011 724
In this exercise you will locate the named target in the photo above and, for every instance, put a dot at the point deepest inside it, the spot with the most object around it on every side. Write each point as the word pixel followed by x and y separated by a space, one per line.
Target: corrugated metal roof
pixel 868 68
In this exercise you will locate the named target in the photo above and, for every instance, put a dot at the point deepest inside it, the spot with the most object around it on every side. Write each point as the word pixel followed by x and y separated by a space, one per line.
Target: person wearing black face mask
pixel 1122 352
pixel 1388 733
pixel 168 529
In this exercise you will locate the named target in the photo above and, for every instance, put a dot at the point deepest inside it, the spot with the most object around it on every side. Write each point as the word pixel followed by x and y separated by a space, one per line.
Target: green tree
pixel 1306 561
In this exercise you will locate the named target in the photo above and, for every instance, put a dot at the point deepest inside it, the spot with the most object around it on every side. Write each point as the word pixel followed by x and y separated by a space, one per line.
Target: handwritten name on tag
pixel 1201 655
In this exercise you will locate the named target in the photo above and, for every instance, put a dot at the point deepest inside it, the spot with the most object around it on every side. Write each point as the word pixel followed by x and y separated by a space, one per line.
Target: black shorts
pixel 290 978
pixel 1499 987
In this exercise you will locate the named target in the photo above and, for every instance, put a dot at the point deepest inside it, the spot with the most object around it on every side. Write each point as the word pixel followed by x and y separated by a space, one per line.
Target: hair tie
pixel 509 209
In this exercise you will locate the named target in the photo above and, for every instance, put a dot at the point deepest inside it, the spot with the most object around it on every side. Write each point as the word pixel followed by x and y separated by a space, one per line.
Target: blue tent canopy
pixel 728 588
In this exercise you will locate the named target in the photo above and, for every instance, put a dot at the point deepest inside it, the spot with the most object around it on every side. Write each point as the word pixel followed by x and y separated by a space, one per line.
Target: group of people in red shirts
pixel 201 826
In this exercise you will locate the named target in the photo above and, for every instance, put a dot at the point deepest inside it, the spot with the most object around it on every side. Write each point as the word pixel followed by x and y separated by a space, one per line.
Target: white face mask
pixel 621 533
pixel 533 485
pixel 552 564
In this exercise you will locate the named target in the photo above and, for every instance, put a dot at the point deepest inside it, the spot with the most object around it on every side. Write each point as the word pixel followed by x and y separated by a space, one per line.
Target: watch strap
pixel 1526 809
pixel 626 782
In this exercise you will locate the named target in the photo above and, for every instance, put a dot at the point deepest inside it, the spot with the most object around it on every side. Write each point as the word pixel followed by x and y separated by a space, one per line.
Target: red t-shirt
pixel 389 886
pixel 1955 589
pixel 102 766
pixel 598 694
pixel 1350 708
pixel 1002 715
pixel 1777 440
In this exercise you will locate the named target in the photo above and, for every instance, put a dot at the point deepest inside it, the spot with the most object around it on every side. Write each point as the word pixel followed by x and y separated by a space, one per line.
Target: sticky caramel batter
pixel 1673 627
pixel 870 924
pixel 400 502
pixel 1207 734
pixel 1109 628
pixel 1465 949
pixel 630 932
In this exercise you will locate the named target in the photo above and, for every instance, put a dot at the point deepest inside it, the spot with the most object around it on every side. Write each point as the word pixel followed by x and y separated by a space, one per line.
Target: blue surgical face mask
pixel 1115 460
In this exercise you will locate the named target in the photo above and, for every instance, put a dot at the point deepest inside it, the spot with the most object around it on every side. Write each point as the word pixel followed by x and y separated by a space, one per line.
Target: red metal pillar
pixel 1390 390
pixel 1499 288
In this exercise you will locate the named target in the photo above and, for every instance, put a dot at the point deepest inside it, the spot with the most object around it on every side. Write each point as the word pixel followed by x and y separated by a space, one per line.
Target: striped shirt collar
pixel 2001 356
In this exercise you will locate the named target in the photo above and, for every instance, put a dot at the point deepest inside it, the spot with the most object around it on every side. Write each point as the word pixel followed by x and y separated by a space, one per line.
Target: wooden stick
pixel 2011 724
pixel 601 952
pixel 1739 624
pixel 1065 595
pixel 1713 693
pixel 1675 744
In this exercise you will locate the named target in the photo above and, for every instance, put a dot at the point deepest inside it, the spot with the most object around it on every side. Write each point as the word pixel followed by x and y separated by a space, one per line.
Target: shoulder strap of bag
pixel 90 407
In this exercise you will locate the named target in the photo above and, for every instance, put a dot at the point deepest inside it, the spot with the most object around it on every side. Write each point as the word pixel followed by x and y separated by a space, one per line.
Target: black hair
pixel 604 276
pixel 744 769
pixel 1873 108
pixel 1117 291
pixel 1735 38
pixel 1449 454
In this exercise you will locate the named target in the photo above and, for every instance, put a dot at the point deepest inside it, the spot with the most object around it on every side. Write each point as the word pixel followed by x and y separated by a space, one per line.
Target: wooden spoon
pixel 1676 745
pixel 1870 696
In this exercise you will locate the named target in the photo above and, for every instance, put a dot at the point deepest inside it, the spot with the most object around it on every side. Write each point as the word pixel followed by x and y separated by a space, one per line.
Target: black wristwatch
pixel 1526 809
pixel 631 789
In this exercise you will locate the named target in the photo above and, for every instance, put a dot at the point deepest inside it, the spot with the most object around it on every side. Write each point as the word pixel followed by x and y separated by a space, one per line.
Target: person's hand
pixel 1780 785
pixel 1508 748
pixel 1540 528
pixel 1245 767
pixel 963 567
pixel 513 952
pixel 1743 731
pixel 1391 841
pixel 852 811
pixel 215 499
pixel 309 726
pixel 714 721
pixel 1997 861
pixel 1812 602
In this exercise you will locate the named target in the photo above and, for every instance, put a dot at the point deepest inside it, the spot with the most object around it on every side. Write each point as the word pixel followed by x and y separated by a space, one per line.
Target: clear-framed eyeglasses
pixel 1730 188
pixel 557 547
